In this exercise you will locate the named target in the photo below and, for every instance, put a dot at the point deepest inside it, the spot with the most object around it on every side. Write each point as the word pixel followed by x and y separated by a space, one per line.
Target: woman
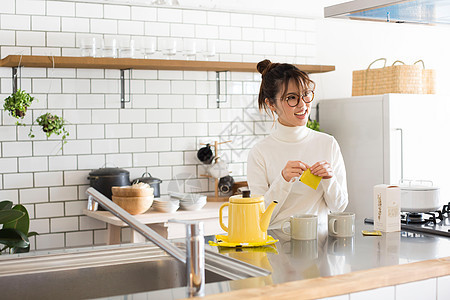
pixel 276 163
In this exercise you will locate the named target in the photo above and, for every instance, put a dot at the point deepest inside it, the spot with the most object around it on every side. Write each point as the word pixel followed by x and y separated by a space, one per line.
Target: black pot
pixel 105 178
pixel 152 181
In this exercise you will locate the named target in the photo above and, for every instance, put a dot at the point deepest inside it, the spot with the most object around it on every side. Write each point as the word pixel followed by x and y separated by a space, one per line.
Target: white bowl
pixel 187 197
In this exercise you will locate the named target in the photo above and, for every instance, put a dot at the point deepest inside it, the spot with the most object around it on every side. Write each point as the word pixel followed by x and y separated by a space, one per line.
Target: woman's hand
pixel 293 168
pixel 322 169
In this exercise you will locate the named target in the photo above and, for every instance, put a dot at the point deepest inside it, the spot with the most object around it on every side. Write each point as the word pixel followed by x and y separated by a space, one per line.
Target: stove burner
pixel 414 218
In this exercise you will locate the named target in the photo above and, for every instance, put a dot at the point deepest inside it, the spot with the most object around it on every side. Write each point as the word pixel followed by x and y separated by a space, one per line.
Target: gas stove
pixel 434 222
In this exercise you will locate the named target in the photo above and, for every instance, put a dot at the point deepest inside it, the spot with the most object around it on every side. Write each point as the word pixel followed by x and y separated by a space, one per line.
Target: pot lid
pixel 245 198
pixel 418 188
pixel 108 172
pixel 148 178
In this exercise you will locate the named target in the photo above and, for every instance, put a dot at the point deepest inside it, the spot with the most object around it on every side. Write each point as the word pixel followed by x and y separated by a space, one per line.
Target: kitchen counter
pixel 158 221
pixel 331 266
pixel 299 270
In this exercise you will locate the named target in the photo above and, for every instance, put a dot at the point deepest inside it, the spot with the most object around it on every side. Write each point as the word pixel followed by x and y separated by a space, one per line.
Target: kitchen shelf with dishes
pixel 34 61
pixel 122 64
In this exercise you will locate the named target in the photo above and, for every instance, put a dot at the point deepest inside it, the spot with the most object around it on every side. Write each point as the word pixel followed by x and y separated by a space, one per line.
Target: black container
pixel 105 178
pixel 152 181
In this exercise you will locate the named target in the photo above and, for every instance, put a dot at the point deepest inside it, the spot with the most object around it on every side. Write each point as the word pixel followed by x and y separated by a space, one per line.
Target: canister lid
pixel 147 178
pixel 418 188
pixel 246 200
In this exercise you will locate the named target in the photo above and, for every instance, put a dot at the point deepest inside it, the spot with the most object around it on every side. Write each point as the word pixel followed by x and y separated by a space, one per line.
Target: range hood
pixel 396 11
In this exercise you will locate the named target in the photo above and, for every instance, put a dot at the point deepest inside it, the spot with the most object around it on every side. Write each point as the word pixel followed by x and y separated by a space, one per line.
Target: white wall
pixel 353 45
pixel 171 112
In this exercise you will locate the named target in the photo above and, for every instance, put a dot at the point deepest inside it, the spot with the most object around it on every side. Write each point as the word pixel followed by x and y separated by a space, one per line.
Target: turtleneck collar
pixel 289 134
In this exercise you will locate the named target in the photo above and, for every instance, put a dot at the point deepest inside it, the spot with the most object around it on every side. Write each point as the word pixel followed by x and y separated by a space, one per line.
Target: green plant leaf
pixel 6 205
pixel 23 223
pixel 21 250
pixel 7 216
pixel 13 238
pixel 32 233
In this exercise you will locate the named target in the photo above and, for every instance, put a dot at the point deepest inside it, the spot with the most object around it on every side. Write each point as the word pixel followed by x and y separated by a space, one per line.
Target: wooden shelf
pixel 33 61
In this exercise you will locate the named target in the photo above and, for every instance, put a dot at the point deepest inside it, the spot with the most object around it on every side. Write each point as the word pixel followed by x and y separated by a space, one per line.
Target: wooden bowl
pixel 130 191
pixel 134 205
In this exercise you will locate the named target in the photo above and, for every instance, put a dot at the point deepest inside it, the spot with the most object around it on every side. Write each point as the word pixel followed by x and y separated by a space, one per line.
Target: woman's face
pixel 291 116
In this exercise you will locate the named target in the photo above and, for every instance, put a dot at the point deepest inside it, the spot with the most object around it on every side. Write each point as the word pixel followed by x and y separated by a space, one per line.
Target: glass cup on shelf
pixel 169 47
pixel 91 46
pixel 127 48
pixel 210 50
pixel 190 49
pixel 109 47
pixel 148 47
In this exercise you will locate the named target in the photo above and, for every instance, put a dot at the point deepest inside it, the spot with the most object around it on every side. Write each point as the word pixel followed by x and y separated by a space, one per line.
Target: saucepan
pixel 420 196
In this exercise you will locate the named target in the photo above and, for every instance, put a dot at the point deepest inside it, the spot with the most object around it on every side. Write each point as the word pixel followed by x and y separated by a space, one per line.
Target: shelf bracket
pixel 122 87
pixel 218 100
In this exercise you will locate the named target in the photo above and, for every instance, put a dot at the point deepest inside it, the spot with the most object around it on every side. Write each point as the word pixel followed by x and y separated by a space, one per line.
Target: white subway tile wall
pixel 159 131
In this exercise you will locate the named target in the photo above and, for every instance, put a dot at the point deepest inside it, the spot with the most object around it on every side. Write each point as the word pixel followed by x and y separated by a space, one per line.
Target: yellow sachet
pixel 371 233
pixel 310 180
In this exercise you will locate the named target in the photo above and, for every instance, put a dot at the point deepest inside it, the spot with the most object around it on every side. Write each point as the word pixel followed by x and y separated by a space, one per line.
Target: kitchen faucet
pixel 194 258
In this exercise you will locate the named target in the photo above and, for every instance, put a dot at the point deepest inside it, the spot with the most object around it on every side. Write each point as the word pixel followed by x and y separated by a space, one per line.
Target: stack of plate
pixel 165 204
pixel 189 201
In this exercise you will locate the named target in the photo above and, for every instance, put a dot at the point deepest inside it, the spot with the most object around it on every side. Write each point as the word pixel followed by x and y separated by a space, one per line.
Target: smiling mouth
pixel 301 113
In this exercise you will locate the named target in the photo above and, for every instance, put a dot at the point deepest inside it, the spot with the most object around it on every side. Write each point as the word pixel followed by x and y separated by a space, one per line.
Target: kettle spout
pixel 265 219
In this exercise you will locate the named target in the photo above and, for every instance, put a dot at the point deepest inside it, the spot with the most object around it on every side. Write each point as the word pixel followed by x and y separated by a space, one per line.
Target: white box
pixel 386 208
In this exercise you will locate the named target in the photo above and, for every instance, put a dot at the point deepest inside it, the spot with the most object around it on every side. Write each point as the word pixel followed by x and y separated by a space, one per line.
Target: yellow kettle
pixel 247 219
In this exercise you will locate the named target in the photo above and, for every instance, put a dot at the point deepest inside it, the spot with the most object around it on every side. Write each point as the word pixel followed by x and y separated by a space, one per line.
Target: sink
pixel 106 272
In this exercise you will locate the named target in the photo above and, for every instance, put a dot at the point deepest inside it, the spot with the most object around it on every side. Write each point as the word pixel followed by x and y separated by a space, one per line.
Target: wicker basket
pixel 405 79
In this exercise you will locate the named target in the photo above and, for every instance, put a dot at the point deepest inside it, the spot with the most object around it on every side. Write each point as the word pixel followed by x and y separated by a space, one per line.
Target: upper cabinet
pixel 139 64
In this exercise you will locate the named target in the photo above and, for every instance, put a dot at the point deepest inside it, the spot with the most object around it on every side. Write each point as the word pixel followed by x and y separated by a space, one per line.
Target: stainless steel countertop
pixel 293 260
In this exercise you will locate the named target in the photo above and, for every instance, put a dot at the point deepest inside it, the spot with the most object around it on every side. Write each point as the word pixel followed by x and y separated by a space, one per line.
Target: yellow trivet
pixel 222 240
pixel 310 180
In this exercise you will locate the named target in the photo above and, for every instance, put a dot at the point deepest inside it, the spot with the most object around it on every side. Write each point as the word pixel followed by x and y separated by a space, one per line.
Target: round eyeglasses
pixel 293 100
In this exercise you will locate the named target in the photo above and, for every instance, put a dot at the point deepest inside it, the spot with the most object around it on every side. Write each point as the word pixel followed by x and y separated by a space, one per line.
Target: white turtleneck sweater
pixel 268 158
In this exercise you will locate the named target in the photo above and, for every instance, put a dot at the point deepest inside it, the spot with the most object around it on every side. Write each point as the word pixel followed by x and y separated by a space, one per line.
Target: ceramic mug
pixel 219 169
pixel 303 227
pixel 205 154
pixel 226 184
pixel 341 224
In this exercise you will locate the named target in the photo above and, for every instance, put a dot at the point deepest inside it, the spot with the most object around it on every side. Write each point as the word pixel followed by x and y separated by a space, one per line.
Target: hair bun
pixel 263 66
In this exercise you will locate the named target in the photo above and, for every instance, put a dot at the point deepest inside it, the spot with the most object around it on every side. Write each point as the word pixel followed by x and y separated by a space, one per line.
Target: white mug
pixel 303 227
pixel 341 224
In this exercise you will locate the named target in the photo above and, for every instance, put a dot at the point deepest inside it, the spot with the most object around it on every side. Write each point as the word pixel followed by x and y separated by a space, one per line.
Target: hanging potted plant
pixel 17 104
pixel 16 223
pixel 51 124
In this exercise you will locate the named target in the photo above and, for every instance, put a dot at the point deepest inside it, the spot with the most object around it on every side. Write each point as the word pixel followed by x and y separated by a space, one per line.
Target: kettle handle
pixel 220 216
